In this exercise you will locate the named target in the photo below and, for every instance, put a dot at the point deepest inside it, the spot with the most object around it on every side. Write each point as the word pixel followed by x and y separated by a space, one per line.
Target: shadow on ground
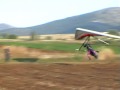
pixel 26 59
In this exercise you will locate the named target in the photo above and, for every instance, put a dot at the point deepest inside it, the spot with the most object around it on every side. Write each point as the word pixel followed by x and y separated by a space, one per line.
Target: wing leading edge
pixel 95 32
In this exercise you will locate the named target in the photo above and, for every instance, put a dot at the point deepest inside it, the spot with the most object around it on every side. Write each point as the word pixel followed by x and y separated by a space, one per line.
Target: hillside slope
pixel 102 20
pixel 5 26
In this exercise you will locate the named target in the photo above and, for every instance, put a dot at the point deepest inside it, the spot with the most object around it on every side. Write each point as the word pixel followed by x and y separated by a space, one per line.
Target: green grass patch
pixel 63 46
pixel 56 46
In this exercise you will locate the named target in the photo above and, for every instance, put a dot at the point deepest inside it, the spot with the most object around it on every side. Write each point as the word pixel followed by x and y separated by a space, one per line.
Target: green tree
pixel 4 35
pixel 8 36
pixel 12 36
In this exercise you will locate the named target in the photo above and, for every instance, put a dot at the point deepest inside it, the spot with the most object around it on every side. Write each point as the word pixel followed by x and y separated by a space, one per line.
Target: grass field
pixel 59 46
pixel 62 46
pixel 56 51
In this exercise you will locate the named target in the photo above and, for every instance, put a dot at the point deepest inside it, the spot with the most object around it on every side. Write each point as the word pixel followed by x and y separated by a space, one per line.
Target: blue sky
pixel 25 13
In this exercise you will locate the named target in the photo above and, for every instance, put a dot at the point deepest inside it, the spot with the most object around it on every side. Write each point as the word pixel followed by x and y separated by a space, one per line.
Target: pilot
pixel 90 51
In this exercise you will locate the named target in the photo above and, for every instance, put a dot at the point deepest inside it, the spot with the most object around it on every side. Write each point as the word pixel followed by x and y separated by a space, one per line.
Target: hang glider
pixel 85 33
pixel 81 33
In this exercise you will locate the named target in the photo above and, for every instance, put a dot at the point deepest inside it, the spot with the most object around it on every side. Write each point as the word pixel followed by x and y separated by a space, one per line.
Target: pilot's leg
pixel 88 55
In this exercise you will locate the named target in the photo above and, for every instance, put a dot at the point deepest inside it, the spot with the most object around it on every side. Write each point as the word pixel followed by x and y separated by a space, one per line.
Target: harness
pixel 89 49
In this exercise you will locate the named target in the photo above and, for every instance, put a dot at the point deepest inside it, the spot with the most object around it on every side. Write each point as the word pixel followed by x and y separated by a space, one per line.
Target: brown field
pixel 60 76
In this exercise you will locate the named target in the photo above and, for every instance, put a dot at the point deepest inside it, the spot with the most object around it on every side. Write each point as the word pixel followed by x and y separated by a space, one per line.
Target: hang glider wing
pixel 81 33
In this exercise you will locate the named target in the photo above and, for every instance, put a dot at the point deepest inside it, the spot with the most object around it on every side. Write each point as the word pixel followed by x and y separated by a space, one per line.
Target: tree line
pixel 8 36
pixel 33 35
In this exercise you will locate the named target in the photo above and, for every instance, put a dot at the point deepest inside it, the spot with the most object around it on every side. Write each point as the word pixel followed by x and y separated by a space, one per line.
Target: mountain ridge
pixel 5 26
pixel 101 20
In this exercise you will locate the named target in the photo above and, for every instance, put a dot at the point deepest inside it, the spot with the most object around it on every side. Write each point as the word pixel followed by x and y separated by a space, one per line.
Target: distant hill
pixel 102 20
pixel 5 26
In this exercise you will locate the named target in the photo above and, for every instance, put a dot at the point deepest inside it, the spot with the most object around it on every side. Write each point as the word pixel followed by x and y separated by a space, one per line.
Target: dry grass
pixel 20 51
pixel 23 52
pixel 52 37
pixel 106 54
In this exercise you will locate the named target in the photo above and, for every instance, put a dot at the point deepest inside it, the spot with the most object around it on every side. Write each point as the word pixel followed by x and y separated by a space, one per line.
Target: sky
pixel 25 13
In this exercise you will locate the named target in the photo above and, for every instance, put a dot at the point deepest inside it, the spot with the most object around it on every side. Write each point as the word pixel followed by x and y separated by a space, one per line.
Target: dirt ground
pixel 59 76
